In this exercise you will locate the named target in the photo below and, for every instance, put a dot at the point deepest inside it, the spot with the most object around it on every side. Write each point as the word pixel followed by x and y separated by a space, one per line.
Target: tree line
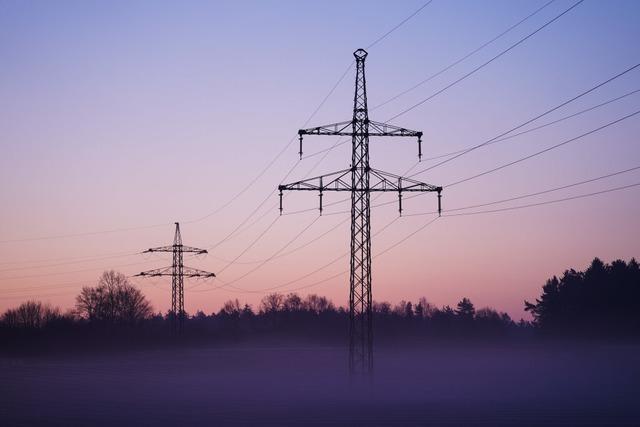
pixel 602 301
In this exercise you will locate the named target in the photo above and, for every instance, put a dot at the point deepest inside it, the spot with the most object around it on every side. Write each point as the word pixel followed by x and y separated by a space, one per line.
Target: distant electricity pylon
pixel 178 272
pixel 364 180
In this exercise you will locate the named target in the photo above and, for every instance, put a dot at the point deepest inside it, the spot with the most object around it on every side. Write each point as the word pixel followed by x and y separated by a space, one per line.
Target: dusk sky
pixel 118 119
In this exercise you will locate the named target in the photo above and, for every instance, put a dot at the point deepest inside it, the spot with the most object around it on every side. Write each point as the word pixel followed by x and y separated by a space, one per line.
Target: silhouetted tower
pixel 178 272
pixel 364 180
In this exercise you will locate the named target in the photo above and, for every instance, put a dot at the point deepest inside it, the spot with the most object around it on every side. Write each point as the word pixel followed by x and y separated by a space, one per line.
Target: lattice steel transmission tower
pixel 361 180
pixel 178 272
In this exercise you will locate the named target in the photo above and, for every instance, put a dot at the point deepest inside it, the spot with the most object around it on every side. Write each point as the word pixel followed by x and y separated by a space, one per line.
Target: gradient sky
pixel 117 115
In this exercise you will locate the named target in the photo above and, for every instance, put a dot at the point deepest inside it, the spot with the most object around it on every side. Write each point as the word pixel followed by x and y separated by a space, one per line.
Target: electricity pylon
pixel 178 272
pixel 364 180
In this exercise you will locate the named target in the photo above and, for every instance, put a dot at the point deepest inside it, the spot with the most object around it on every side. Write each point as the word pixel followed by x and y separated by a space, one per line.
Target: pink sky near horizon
pixel 116 116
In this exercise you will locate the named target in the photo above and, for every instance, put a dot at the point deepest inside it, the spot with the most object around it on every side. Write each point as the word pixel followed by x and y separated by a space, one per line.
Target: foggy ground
pixel 438 385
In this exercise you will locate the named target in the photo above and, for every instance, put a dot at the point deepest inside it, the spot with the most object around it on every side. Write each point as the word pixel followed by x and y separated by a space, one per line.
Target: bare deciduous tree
pixel 231 308
pixel 114 300
pixel 318 304
pixel 30 315
pixel 272 303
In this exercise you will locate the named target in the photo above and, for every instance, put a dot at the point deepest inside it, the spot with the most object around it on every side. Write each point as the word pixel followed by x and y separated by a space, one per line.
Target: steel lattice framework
pixel 363 180
pixel 178 272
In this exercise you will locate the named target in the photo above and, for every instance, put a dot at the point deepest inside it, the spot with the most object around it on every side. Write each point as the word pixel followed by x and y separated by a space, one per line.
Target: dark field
pixel 438 385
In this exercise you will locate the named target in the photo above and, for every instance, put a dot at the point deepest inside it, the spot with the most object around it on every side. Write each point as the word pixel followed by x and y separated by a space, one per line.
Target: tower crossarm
pixel 168 271
pixel 379 181
pixel 194 272
pixel 385 181
pixel 159 249
pixel 165 271
pixel 176 247
pixel 336 129
pixel 385 129
pixel 374 129
pixel 334 181
pixel 340 128
pixel 191 249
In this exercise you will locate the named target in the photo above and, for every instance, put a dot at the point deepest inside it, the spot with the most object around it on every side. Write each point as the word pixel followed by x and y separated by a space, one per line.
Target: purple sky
pixel 117 115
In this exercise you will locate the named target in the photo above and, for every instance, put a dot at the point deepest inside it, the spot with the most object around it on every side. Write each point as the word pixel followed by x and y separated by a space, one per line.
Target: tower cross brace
pixel 361 180
pixel 178 272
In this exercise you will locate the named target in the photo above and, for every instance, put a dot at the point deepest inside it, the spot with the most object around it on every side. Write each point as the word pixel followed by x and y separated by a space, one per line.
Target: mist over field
pixel 439 384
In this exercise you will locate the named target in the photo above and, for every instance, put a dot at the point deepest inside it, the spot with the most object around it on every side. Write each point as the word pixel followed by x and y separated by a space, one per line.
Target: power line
pixel 398 242
pixel 252 244
pixel 90 233
pixel 341 273
pixel 553 147
pixel 79 260
pixel 547 112
pixel 537 193
pixel 75 271
pixel 586 110
pixel 36 288
pixel 400 24
pixel 342 142
pixel 270 163
pixel 522 40
pixel 235 230
pixel 35 261
pixel 280 153
pixel 408 236
pixel 296 249
pixel 564 199
pixel 431 221
pixel 39 296
pixel 428 223
pixel 335 260
pixel 275 254
pixel 251 183
pixel 469 54
pixel 560 144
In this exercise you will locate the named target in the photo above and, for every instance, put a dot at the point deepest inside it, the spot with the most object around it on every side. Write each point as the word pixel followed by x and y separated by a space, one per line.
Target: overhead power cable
pixel 468 55
pixel 537 193
pixel 400 24
pixel 40 296
pixel 484 64
pixel 274 255
pixel 539 116
pixel 90 233
pixel 548 202
pixel 58 273
pixel 344 141
pixel 73 259
pixel 335 260
pixel 537 153
pixel 252 244
pixel 515 135
pixel 296 249
pixel 431 221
